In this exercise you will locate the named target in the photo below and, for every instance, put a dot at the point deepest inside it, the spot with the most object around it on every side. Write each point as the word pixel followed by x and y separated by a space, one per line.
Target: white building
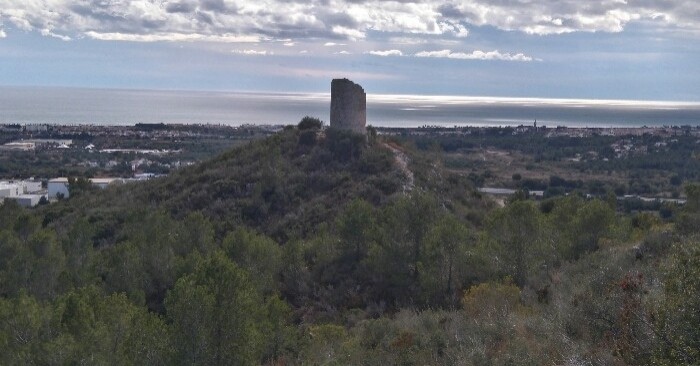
pixel 10 189
pixel 28 200
pixel 31 186
pixel 58 186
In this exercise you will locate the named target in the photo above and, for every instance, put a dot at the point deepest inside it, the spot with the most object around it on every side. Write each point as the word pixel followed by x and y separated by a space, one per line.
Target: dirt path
pixel 402 161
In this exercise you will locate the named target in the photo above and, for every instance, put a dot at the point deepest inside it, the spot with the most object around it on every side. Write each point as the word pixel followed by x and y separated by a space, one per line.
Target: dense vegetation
pixel 642 165
pixel 311 247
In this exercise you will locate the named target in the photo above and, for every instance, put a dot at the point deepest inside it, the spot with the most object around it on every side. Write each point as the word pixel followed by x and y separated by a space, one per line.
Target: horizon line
pixel 394 98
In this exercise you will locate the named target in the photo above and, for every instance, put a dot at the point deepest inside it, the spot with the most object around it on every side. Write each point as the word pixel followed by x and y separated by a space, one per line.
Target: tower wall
pixel 348 106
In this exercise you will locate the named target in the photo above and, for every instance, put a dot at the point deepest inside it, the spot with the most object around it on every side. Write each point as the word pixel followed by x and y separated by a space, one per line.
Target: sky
pixel 609 49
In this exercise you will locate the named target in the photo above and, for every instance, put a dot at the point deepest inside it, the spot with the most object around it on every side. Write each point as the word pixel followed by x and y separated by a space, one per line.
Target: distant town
pixel 38 163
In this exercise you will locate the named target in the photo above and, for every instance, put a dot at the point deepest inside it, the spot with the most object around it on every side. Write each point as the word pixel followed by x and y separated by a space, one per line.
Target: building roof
pixel 504 191
pixel 103 180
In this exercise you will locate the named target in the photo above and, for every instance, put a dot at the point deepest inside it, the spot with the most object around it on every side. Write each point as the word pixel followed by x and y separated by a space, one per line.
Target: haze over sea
pixel 34 105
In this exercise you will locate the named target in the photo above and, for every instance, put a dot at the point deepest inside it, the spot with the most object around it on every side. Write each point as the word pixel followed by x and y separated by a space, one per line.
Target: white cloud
pixel 289 44
pixel 407 40
pixel 460 31
pixel 342 53
pixel 2 33
pixel 333 44
pixel 475 55
pixel 352 34
pixel 332 20
pixel 49 33
pixel 324 73
pixel 565 16
pixel 171 37
pixel 386 53
pixel 253 52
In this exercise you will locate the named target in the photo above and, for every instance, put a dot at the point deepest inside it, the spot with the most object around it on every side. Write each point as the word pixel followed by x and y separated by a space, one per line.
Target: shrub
pixel 308 123
pixel 492 299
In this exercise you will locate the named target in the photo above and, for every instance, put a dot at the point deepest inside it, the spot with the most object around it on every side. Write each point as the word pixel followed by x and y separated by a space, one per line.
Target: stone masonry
pixel 348 106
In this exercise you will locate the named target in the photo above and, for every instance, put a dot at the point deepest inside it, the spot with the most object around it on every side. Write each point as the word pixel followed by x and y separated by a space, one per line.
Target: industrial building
pixel 58 186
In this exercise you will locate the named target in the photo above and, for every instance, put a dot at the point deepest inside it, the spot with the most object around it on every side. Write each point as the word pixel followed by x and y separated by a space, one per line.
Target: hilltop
pixel 284 186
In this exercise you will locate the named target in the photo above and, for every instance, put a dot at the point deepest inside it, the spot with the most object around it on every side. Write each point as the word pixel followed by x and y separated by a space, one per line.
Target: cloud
pixel 252 52
pixel 48 33
pixel 386 53
pixel 333 20
pixel 475 55
pixel 2 33
pixel 172 37
pixel 325 73
pixel 352 34
pixel 407 40
pixel 566 16
pixel 333 44
pixel 342 53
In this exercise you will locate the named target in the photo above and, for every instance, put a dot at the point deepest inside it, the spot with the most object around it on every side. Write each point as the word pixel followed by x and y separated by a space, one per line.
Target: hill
pixel 284 186
pixel 324 247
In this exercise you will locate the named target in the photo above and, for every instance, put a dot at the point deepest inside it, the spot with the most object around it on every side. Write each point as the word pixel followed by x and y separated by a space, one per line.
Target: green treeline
pixel 654 164
pixel 305 248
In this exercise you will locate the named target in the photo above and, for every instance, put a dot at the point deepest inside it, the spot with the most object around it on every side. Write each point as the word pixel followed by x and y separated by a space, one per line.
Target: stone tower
pixel 348 106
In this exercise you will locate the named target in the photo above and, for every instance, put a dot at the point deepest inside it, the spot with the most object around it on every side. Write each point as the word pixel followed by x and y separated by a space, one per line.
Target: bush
pixel 307 137
pixel 308 123
pixel 491 300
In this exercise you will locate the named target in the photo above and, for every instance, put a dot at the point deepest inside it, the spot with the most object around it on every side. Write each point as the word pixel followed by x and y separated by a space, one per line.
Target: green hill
pixel 324 247
pixel 284 186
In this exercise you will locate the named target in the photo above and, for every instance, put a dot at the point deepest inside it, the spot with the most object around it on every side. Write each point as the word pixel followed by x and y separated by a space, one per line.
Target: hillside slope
pixel 283 186
pixel 305 248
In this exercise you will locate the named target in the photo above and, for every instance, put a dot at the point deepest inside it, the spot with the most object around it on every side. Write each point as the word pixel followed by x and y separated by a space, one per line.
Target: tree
pixel 48 265
pixel 21 321
pixel 394 260
pixel 123 271
pixel 78 185
pixel 356 227
pixel 216 315
pixel 197 233
pixel 679 314
pixel 577 226
pixel 310 123
pixel 78 247
pixel 137 335
pixel 444 261
pixel 155 235
pixel 592 222
pixel 688 220
pixel 16 263
pixel 259 255
pixel 513 235
pixel 89 328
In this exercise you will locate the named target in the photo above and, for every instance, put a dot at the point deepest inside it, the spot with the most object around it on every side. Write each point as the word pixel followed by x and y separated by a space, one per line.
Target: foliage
pixel 214 312
pixel 290 253
pixel 514 239
pixel 310 123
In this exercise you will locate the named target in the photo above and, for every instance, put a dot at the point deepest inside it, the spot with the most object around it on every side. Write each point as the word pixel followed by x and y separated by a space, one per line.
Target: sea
pixel 54 105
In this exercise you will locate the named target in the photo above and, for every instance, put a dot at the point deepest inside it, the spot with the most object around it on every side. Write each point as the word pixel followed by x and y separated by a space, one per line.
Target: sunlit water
pixel 27 105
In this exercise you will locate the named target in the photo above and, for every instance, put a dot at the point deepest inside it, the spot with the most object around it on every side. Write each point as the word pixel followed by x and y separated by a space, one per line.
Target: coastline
pixel 123 107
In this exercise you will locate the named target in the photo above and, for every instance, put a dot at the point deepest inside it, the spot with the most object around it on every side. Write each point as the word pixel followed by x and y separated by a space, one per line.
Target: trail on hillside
pixel 402 161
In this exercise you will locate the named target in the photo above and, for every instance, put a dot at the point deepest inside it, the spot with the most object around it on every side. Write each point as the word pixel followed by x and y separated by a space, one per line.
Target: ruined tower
pixel 348 106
